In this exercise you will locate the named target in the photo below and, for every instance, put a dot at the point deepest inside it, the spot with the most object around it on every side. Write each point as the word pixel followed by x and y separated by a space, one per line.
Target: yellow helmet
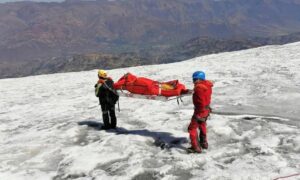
pixel 102 73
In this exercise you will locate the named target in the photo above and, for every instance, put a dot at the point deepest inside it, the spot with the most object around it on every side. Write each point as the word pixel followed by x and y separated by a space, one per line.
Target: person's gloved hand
pixel 210 109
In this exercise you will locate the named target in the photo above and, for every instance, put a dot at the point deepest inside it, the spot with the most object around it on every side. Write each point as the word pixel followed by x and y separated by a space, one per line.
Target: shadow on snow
pixel 164 140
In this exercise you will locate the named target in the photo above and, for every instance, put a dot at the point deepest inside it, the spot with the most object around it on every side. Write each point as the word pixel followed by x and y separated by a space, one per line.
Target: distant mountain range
pixel 204 45
pixel 189 49
pixel 37 36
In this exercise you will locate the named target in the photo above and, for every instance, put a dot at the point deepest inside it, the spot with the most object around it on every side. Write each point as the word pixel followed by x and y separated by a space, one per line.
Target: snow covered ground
pixel 49 124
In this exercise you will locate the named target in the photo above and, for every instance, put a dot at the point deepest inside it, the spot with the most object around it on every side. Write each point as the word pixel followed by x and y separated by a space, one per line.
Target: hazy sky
pixel 2 1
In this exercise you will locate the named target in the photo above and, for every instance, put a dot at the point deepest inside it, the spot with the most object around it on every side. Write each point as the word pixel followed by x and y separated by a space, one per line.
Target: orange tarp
pixel 145 86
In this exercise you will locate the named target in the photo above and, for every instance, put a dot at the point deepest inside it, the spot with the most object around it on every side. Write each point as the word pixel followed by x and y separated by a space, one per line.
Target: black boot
pixel 203 142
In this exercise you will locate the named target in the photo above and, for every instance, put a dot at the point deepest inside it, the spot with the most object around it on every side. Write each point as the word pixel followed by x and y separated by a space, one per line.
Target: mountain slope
pixel 39 31
pixel 192 48
pixel 49 123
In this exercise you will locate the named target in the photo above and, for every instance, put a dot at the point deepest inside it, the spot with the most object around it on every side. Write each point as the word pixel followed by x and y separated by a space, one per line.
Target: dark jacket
pixel 105 91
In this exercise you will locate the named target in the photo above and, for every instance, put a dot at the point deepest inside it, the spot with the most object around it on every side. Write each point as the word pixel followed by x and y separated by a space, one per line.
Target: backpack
pixel 114 96
pixel 97 87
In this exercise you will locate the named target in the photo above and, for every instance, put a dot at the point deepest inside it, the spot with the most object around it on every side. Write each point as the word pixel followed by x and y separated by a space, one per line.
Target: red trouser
pixel 193 127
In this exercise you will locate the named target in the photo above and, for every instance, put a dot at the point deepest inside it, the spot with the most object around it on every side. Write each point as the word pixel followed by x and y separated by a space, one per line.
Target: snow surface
pixel 49 124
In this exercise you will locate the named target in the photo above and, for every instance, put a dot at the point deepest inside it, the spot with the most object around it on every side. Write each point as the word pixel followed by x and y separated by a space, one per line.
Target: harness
pixel 203 119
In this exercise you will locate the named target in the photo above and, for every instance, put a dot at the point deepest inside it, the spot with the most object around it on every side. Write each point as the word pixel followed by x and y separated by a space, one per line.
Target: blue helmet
pixel 198 75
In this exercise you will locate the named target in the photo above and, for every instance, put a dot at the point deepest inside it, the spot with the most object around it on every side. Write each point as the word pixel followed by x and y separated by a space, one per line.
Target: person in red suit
pixel 201 100
pixel 108 97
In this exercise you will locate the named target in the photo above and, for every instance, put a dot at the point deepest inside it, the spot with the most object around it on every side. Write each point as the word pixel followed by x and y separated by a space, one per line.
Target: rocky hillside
pixel 189 49
pixel 203 45
pixel 72 63
pixel 32 33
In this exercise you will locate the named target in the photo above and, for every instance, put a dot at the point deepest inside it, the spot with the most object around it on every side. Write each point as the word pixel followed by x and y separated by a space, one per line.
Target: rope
pixel 113 91
pixel 118 106
pixel 283 177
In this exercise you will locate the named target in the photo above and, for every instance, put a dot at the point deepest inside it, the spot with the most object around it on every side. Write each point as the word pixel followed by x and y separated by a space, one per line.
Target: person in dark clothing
pixel 107 98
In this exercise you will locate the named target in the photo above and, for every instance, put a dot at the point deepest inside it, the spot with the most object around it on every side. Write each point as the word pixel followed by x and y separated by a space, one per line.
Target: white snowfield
pixel 49 124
